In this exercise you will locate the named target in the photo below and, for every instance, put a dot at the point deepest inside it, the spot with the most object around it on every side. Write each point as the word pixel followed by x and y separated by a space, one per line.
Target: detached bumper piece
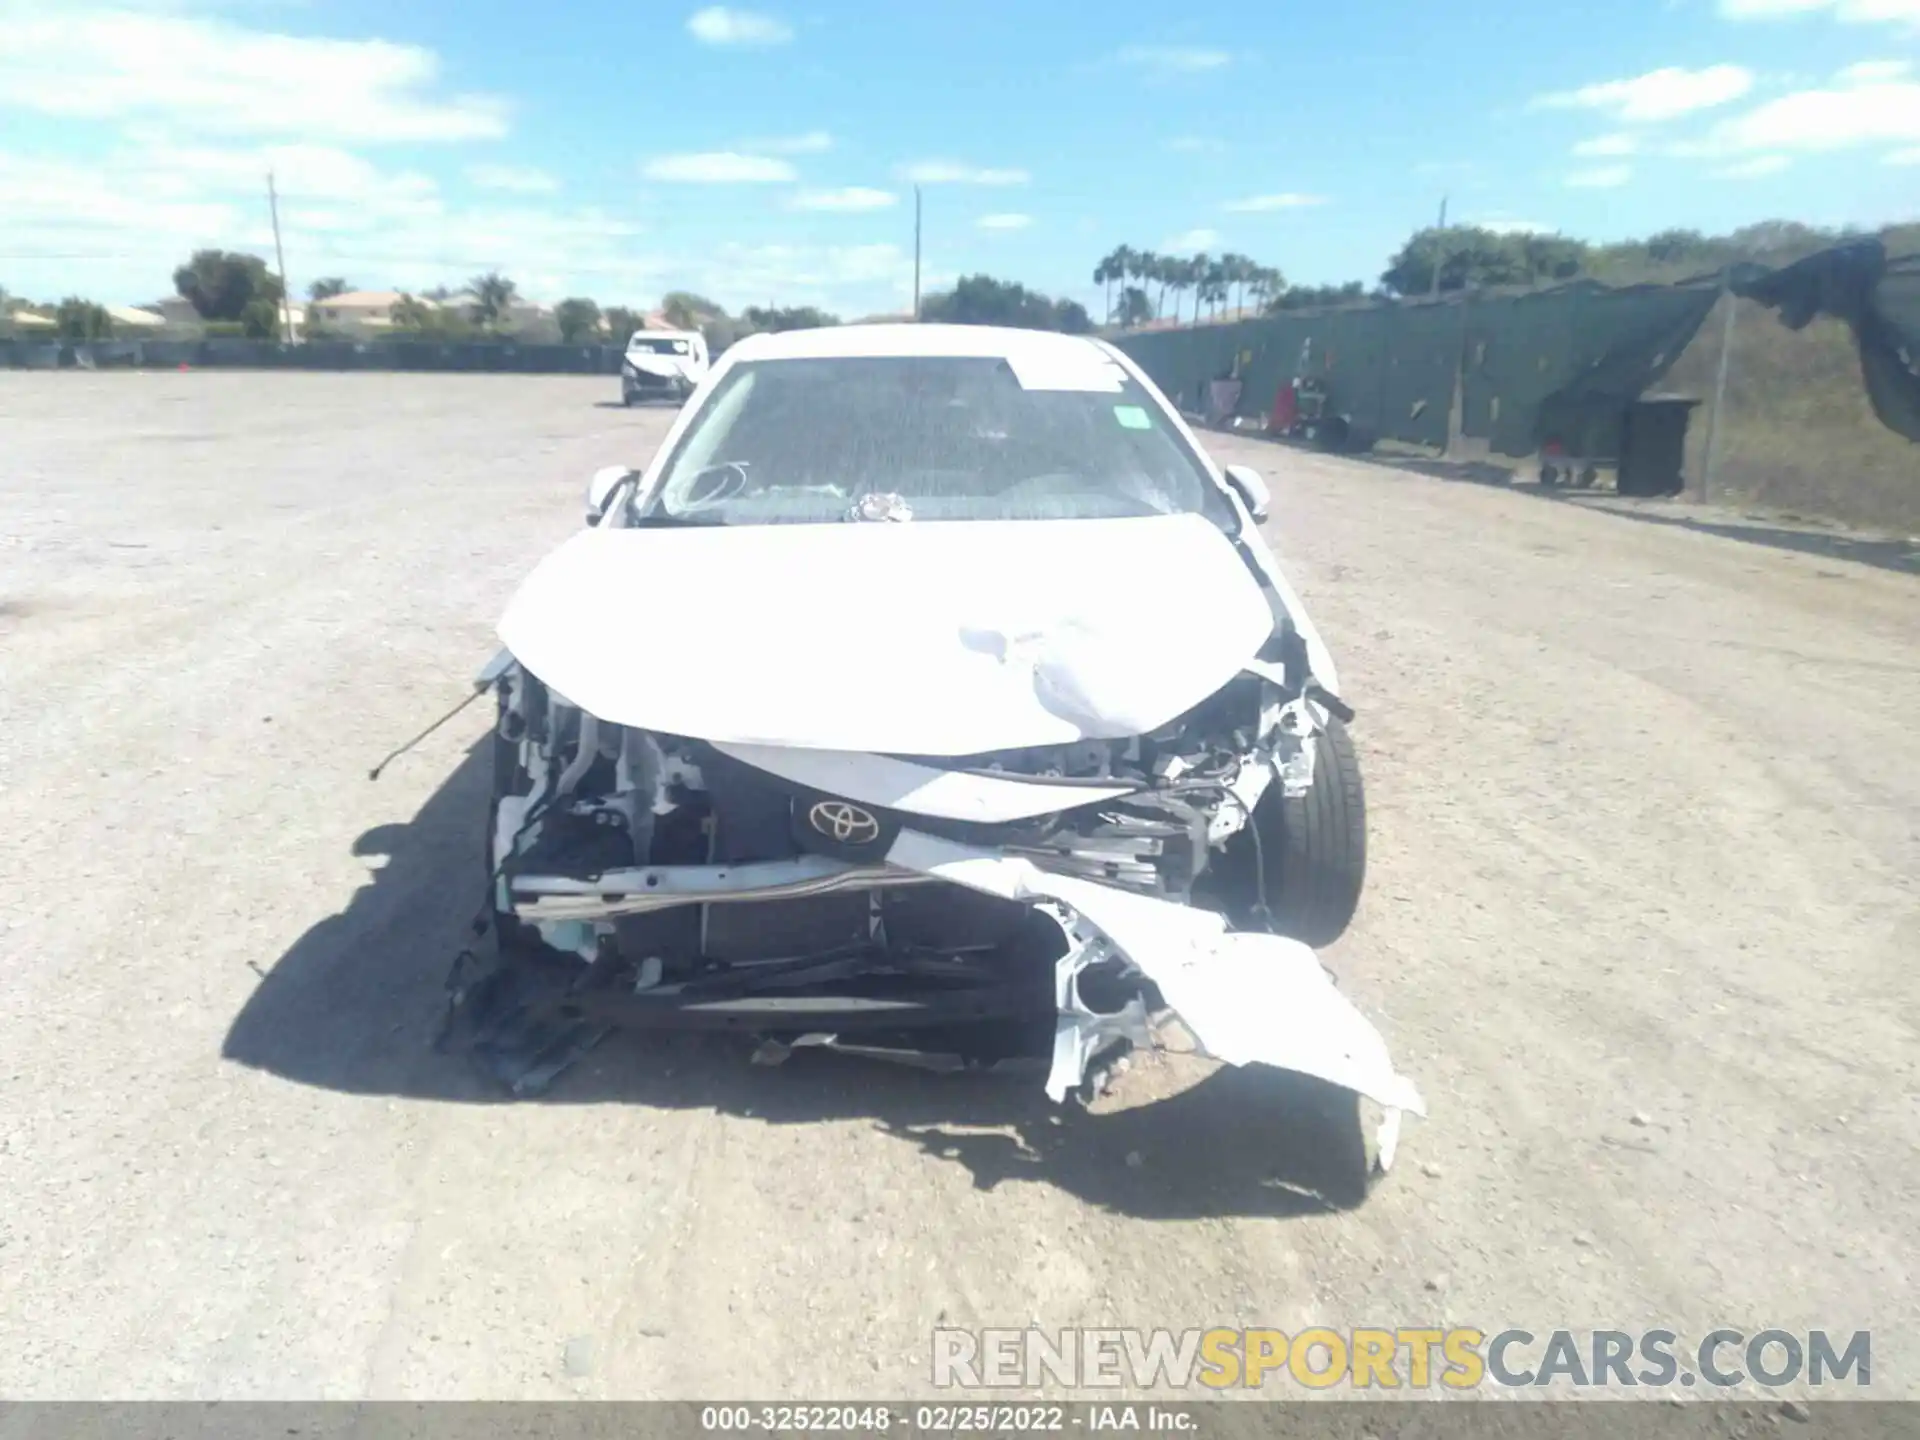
pixel 1247 998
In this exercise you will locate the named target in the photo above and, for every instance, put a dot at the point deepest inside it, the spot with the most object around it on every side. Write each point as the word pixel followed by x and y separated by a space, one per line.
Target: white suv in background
pixel 662 364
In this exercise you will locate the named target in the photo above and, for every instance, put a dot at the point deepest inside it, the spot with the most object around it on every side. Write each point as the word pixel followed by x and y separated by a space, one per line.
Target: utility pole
pixel 1439 230
pixel 916 254
pixel 279 255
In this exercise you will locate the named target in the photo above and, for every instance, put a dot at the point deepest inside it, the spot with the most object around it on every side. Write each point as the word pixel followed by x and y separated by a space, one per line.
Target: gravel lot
pixel 1642 921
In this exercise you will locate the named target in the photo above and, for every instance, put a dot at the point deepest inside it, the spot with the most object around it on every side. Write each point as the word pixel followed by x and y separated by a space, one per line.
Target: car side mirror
pixel 600 490
pixel 1253 490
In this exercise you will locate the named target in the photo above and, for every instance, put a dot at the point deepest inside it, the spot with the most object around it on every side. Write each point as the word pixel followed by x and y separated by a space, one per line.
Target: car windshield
pixel 660 346
pixel 930 438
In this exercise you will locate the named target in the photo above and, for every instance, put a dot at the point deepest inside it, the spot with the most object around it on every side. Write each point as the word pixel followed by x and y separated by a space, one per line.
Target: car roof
pixel 992 342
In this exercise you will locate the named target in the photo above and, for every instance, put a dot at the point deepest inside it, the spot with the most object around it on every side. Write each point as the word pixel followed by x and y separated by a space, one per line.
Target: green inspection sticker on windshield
pixel 1133 417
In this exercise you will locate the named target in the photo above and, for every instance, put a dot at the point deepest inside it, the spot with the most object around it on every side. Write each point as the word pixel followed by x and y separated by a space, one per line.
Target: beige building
pixel 135 320
pixel 358 309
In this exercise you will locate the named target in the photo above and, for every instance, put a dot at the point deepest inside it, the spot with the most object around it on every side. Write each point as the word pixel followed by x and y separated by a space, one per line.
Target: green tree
pixel 757 320
pixel 493 296
pixel 79 319
pixel 260 319
pixel 1313 297
pixel 687 311
pixel 1071 318
pixel 578 319
pixel 1135 307
pixel 1471 256
pixel 221 284
pixel 1268 284
pixel 983 300
pixel 622 322
pixel 327 288
pixel 420 318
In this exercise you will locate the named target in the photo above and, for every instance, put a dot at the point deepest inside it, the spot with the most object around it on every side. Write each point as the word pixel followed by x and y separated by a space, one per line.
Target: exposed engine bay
pixel 1044 901
pixel 600 806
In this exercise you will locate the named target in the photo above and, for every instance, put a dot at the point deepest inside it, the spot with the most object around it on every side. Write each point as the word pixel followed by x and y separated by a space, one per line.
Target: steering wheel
pixel 715 485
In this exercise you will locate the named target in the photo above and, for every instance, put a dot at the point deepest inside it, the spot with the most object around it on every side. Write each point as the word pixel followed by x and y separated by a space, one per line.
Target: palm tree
pixel 1126 265
pixel 1213 285
pixel 327 288
pixel 493 293
pixel 1104 276
pixel 1240 273
pixel 1155 270
pixel 1198 269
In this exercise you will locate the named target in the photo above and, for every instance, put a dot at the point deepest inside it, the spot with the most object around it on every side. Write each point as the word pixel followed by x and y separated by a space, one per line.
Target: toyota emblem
pixel 844 824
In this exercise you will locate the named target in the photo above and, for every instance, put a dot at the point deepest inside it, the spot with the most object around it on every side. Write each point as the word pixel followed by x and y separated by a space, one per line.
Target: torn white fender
pixel 1247 998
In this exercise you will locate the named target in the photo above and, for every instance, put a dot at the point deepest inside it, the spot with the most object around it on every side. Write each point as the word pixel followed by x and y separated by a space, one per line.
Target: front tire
pixel 1313 848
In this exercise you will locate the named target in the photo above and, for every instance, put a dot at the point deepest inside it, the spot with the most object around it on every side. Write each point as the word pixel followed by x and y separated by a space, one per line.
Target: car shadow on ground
pixel 354 1004
pixel 1898 554
pixel 1473 472
pixel 1883 553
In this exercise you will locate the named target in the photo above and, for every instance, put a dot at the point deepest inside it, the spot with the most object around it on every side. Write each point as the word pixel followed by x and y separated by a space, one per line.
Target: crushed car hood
pixel 918 638
pixel 669 367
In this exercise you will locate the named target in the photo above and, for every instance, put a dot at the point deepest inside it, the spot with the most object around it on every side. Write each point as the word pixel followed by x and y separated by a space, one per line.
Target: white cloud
pixel 1834 118
pixel 1753 169
pixel 850 198
pixel 115 227
pixel 720 167
pixel 516 179
pixel 1854 12
pixel 217 77
pixel 1658 95
pixel 1869 72
pixel 1905 157
pixel 720 25
pixel 1191 240
pixel 747 274
pixel 1004 221
pixel 1601 177
pixel 1181 59
pixel 953 172
pixel 811 142
pixel 1602 146
pixel 156 165
pixel 1286 200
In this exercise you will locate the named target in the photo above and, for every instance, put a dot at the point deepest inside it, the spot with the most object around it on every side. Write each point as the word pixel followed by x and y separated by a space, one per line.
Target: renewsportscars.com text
pixel 1419 1358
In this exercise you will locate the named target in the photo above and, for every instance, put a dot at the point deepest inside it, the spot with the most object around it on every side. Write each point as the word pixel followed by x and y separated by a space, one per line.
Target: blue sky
pixel 766 153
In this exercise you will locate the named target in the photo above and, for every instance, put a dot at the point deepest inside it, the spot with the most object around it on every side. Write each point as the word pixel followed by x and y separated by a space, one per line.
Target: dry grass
pixel 1797 434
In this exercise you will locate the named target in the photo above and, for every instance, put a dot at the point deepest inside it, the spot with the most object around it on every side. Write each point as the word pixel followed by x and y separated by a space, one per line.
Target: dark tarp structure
pixel 1559 364
pixel 1879 300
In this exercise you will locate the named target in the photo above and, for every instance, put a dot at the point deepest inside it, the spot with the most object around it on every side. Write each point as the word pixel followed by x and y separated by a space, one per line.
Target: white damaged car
pixel 662 364
pixel 931 692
